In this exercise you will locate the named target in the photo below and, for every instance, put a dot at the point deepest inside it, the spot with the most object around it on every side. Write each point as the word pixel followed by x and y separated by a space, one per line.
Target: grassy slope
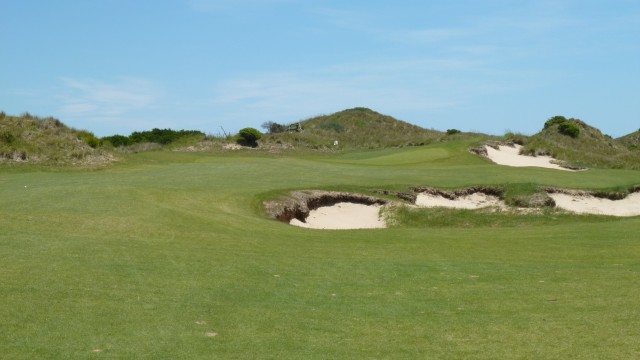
pixel 46 141
pixel 590 149
pixel 631 141
pixel 127 260
pixel 355 128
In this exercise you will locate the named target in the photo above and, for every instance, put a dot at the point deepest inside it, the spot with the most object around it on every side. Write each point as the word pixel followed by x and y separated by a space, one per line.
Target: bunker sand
pixel 510 156
pixel 589 204
pixel 471 201
pixel 343 215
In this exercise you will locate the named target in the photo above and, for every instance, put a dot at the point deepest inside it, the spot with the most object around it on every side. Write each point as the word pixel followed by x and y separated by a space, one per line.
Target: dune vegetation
pixel 352 129
pixel 631 141
pixel 48 141
pixel 580 145
pixel 170 254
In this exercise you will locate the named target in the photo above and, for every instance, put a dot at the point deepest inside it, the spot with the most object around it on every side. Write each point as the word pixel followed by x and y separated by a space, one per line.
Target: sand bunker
pixel 470 201
pixel 327 210
pixel 510 156
pixel 343 215
pixel 589 204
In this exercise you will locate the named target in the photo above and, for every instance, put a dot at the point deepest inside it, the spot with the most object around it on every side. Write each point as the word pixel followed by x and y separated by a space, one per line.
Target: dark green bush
pixel 569 129
pixel 88 138
pixel 273 127
pixel 453 131
pixel 7 137
pixel 117 140
pixel 158 136
pixel 555 120
pixel 249 136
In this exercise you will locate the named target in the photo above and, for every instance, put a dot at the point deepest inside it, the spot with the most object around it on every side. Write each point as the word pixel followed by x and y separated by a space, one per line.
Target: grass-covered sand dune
pixel 355 128
pixel 171 255
pixel 28 139
pixel 581 145
pixel 631 141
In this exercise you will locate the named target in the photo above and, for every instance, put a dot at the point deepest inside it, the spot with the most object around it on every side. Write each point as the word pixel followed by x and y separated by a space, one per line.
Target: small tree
pixel 273 127
pixel 249 136
pixel 453 131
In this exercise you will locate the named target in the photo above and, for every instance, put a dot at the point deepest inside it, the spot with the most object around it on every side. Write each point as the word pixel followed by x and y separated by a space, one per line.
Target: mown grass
pixel 143 259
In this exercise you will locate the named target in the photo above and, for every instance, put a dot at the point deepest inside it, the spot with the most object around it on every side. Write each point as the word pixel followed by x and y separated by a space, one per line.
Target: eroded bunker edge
pixel 298 204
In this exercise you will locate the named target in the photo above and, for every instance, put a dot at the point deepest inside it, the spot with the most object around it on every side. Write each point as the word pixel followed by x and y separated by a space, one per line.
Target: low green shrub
pixel 88 138
pixel 453 131
pixel 558 119
pixel 250 136
pixel 117 140
pixel 7 137
pixel 569 129
pixel 158 136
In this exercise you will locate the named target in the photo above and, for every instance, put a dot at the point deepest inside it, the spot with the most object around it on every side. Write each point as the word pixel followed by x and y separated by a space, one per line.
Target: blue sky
pixel 114 66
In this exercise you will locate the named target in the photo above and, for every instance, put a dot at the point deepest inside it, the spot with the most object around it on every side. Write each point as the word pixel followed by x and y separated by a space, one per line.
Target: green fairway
pixel 169 255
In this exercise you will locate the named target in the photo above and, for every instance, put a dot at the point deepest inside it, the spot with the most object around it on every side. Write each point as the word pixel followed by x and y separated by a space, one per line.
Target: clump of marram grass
pixel 535 200
pixel 515 138
pixel 527 195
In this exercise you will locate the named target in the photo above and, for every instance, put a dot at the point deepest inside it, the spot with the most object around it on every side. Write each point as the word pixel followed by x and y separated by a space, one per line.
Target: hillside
pixel 581 145
pixel 354 128
pixel 28 139
pixel 630 141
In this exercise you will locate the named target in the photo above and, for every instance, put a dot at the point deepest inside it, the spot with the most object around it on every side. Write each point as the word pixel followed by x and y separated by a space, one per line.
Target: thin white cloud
pixel 223 5
pixel 97 103
pixel 432 35
pixel 289 96
pixel 89 96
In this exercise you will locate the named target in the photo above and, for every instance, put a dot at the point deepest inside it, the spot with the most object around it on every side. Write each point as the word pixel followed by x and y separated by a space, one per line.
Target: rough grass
pixel 589 149
pixel 355 128
pixel 28 139
pixel 631 141
pixel 488 217
pixel 149 258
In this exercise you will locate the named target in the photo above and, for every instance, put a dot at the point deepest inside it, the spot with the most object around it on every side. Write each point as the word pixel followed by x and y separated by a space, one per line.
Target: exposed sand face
pixel 510 156
pixel 343 215
pixel 587 204
pixel 471 201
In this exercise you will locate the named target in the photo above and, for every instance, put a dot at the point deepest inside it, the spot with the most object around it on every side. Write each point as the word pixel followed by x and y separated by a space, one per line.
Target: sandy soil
pixel 510 156
pixel 343 215
pixel 587 204
pixel 472 201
